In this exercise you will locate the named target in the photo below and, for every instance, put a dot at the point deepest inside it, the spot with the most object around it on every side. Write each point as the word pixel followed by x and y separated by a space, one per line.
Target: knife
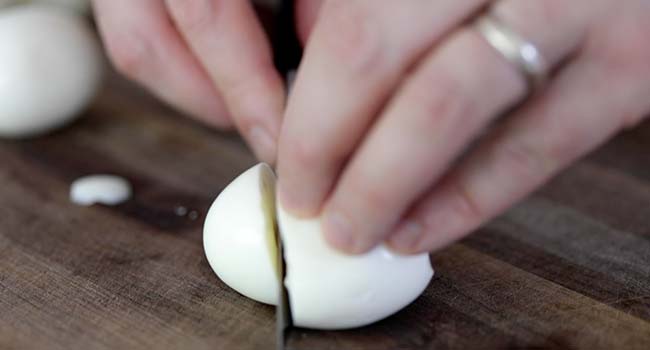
pixel 283 319
pixel 287 53
pixel 287 50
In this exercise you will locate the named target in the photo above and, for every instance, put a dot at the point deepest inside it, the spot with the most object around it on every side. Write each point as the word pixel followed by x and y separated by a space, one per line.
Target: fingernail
pixel 338 231
pixel 406 236
pixel 263 144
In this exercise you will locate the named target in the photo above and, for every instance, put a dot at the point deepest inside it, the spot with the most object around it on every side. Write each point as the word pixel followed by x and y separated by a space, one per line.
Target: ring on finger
pixel 513 47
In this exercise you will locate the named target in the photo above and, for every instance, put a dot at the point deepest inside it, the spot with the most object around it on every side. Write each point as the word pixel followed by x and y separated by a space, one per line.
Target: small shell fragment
pixel 102 189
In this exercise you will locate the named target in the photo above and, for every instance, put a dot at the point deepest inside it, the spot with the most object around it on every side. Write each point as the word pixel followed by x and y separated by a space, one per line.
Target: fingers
pixel 306 14
pixel 588 102
pixel 228 40
pixel 355 58
pixel 451 97
pixel 446 102
pixel 143 45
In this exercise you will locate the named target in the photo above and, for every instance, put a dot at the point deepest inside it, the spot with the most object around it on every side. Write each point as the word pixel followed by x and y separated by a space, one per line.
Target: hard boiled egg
pixel 50 68
pixel 327 289
pixel 331 290
pixel 81 6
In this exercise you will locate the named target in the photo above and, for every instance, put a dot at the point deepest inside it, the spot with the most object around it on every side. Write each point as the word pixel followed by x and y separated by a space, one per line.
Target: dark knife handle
pixel 287 50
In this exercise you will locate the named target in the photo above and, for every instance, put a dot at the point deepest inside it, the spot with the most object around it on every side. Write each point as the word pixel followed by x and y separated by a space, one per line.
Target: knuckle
pixel 632 120
pixel 463 204
pixel 241 86
pixel 441 96
pixel 623 52
pixel 549 12
pixel 543 10
pixel 193 16
pixel 538 14
pixel 309 149
pixel 623 47
pixel 131 54
pixel 375 199
pixel 244 95
pixel 454 210
pixel 636 47
pixel 304 153
pixel 233 86
pixel 526 162
pixel 349 35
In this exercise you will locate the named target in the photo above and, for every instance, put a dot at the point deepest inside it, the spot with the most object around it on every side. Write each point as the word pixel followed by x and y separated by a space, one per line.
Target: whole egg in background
pixel 51 67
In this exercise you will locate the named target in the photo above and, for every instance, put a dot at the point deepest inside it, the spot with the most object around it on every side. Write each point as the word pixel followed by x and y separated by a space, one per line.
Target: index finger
pixel 231 44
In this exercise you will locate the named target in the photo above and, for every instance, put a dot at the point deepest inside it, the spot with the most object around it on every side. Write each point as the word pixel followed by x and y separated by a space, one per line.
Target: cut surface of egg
pixel 50 68
pixel 327 289
pixel 102 189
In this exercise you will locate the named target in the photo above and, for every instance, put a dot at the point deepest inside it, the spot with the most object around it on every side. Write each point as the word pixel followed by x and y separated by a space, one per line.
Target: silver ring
pixel 517 50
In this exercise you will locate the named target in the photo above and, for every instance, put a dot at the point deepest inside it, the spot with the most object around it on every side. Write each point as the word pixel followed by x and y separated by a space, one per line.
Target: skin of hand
pixel 209 58
pixel 390 94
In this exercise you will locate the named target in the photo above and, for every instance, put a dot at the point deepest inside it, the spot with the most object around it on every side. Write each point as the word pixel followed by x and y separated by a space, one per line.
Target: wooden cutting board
pixel 567 268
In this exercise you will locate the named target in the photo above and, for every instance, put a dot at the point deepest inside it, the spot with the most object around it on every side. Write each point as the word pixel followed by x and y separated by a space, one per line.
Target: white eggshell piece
pixel 50 68
pixel 239 238
pixel 331 290
pixel 103 189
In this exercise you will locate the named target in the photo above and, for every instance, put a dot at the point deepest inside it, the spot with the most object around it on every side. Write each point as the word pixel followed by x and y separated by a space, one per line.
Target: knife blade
pixel 283 311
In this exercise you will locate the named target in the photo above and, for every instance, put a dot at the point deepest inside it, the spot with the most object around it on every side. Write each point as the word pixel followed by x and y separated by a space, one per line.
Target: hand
pixel 209 58
pixel 391 93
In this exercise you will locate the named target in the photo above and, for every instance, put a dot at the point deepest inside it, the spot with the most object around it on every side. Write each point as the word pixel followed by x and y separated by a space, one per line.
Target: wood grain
pixel 567 268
